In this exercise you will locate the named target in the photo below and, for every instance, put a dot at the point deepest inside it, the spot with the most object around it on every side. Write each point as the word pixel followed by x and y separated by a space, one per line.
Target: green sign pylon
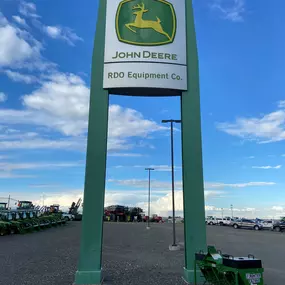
pixel 89 267
pixel 192 163
pixel 90 259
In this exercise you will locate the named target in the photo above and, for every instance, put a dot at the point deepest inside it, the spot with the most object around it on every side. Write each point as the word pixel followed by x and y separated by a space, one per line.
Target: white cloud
pixel 8 170
pixel 2 157
pixel 43 107
pixel 8 175
pixel 157 184
pixel 266 129
pixel 28 9
pixel 142 183
pixel 121 154
pixel 268 167
pixel 62 33
pixel 44 185
pixel 14 48
pixel 8 166
pixel 32 144
pixel 19 49
pixel 232 10
pixel 278 208
pixel 18 77
pixel 20 21
pixel 213 185
pixel 3 97
pixel 251 157
pixel 163 205
pixel 281 104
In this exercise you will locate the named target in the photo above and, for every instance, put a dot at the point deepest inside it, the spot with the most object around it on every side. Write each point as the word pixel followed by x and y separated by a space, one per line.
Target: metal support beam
pixel 89 267
pixel 193 184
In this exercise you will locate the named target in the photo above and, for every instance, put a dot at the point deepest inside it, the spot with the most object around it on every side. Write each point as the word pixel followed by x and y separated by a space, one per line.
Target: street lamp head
pixel 149 168
pixel 170 121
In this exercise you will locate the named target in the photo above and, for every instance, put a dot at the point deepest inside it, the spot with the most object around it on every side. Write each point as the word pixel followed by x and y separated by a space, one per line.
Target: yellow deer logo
pixel 140 23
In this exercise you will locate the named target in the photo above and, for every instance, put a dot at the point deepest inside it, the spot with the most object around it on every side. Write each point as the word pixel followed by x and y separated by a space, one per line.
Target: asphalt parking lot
pixel 131 254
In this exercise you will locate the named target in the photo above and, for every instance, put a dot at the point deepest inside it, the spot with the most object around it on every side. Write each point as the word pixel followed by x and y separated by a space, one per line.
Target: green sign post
pixel 143 48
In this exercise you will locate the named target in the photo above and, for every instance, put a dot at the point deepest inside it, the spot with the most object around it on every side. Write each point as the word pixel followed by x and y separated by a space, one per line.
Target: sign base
pixel 189 276
pixel 88 278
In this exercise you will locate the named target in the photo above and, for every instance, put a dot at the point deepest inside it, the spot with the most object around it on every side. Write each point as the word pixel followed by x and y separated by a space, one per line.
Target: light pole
pixel 149 170
pixel 9 198
pixel 222 213
pixel 174 245
pixel 232 211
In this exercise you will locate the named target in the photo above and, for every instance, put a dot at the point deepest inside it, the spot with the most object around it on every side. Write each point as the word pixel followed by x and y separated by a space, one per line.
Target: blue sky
pixel 45 64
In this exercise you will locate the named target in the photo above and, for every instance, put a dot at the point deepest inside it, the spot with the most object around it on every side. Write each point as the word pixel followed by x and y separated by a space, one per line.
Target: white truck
pixel 212 220
pixel 67 216
pixel 226 221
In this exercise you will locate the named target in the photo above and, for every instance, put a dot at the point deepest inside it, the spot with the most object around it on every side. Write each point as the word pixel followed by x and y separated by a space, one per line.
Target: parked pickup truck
pixel 210 220
pixel 67 216
pixel 226 221
pixel 246 223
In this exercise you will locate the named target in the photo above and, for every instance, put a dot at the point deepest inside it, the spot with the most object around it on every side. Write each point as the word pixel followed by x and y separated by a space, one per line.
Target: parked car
pixel 246 223
pixel 266 224
pixel 278 226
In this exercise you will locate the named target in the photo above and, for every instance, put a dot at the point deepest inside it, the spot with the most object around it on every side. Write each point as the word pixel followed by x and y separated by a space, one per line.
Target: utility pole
pixel 174 245
pixel 9 198
pixel 149 170
pixel 43 198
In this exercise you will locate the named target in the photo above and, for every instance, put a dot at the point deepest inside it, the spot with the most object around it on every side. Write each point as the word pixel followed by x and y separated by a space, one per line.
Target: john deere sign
pixel 151 32
pixel 146 26
pixel 140 49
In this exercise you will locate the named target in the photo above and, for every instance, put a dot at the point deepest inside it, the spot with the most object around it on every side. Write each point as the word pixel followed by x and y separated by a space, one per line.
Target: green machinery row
pixel 224 269
pixel 26 218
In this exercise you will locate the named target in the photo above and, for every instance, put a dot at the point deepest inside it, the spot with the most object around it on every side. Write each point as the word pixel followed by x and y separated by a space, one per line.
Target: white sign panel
pixel 145 44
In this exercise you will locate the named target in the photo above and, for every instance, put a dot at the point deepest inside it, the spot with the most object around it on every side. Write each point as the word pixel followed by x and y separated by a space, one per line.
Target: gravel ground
pixel 131 254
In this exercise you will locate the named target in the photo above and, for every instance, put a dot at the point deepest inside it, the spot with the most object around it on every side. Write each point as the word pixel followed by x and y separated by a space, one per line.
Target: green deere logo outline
pixel 150 24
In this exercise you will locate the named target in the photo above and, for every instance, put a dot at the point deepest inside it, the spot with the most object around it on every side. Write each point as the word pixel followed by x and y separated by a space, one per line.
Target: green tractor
pixel 3 206
pixel 26 212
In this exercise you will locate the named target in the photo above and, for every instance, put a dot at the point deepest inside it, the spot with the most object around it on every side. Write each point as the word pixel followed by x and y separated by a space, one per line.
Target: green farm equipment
pixel 28 218
pixel 224 269
pixel 4 228
pixel 14 226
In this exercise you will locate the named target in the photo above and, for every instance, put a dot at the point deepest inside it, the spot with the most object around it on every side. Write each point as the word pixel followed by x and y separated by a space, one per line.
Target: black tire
pixel 256 228
pixel 67 219
pixel 235 226
pixel 277 229
pixel 221 223
pixel 211 223
pixel 12 231
pixel 2 232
